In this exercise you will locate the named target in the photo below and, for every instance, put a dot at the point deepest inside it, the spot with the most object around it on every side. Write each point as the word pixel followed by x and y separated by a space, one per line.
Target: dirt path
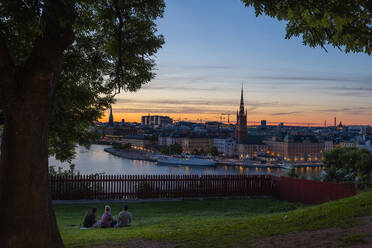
pixel 138 244
pixel 358 236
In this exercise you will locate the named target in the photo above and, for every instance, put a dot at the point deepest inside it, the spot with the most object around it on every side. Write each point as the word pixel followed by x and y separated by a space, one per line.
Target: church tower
pixel 241 134
pixel 111 118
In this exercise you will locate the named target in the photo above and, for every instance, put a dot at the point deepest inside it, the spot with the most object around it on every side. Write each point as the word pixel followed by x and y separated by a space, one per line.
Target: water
pixel 96 160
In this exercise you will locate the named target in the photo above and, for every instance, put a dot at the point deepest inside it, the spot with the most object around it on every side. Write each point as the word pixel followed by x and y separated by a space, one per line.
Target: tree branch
pixel 119 66
pixel 45 60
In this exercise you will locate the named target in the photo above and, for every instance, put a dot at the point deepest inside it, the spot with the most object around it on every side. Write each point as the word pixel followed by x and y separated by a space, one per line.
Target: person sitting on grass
pixel 107 219
pixel 90 219
pixel 125 217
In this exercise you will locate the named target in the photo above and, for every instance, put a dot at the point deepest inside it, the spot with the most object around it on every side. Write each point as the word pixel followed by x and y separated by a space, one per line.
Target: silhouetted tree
pixel 343 24
pixel 213 151
pixel 61 63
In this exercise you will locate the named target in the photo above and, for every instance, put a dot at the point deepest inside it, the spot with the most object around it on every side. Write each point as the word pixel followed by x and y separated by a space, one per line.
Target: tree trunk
pixel 27 213
pixel 27 216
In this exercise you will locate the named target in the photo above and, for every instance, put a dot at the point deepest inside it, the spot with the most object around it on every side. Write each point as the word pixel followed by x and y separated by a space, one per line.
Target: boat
pixel 185 160
pixel 286 166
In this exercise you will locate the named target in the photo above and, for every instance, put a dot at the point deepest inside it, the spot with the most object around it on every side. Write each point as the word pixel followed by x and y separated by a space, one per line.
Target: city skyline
pixel 211 49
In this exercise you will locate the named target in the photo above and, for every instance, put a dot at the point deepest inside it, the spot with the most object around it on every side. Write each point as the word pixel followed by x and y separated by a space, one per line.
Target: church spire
pixel 241 133
pixel 241 101
pixel 111 118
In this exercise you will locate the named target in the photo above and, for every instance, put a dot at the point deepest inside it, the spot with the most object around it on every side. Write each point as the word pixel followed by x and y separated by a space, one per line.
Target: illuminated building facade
pixel 290 150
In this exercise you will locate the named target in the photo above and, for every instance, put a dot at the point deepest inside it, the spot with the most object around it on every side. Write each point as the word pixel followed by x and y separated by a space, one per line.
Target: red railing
pixel 160 186
pixel 313 192
pixel 175 186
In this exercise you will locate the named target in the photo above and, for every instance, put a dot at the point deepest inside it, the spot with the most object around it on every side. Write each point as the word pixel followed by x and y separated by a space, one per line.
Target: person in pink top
pixel 107 220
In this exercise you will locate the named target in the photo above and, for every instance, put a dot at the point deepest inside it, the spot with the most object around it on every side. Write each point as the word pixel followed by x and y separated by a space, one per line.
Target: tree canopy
pixel 113 47
pixel 61 64
pixel 343 24
pixel 348 164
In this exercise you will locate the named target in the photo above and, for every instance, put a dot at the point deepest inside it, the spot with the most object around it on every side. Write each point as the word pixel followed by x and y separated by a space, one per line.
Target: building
pixel 340 127
pixel 328 145
pixel 250 151
pixel 358 130
pixel 162 140
pixel 111 118
pixel 156 120
pixel 225 146
pixel 347 144
pixel 241 134
pixel 263 124
pixel 190 144
pixel 169 140
pixel 212 124
pixel 295 149
pixel 137 141
pixel 366 145
pixel 252 148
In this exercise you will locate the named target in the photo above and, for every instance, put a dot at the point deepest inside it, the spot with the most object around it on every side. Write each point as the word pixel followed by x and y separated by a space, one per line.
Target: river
pixel 96 160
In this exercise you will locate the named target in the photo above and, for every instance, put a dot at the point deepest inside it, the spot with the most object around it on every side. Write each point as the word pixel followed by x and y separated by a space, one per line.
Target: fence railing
pixel 313 192
pixel 160 186
pixel 174 186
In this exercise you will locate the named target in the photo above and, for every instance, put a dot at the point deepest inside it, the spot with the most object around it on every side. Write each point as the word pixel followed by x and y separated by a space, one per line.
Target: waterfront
pixel 96 160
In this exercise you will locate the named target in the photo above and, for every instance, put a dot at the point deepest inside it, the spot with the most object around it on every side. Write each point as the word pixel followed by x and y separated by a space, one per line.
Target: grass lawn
pixel 213 222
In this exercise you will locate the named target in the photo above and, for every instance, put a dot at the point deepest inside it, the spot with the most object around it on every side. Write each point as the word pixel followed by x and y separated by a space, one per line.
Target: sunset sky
pixel 213 46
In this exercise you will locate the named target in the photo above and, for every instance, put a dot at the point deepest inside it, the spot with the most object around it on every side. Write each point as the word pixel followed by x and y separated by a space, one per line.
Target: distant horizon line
pixel 252 123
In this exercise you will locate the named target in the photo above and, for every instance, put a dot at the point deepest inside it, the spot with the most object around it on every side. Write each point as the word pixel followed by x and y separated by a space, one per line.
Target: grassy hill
pixel 213 222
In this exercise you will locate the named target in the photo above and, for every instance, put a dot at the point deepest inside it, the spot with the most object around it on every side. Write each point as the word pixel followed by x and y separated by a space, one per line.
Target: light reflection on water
pixel 96 160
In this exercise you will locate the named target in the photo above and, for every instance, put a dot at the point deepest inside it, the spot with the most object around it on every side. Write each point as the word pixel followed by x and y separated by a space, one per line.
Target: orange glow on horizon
pixel 300 120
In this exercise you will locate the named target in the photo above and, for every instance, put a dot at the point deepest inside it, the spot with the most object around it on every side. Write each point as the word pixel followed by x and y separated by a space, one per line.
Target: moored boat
pixel 286 166
pixel 185 160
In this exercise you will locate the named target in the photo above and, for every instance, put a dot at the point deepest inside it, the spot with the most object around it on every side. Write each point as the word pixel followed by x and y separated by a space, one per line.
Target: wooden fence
pixel 160 186
pixel 313 192
pixel 174 186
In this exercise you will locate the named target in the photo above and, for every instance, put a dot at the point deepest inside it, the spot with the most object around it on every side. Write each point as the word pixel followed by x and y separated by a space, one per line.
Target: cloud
pixel 210 102
pixel 352 111
pixel 350 91
pixel 202 67
pixel 171 87
pixel 286 113
pixel 182 110
pixel 320 78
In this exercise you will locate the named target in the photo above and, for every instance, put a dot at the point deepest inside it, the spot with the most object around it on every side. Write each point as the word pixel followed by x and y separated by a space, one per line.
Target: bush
pixel 122 146
pixel 73 190
pixel 58 171
pixel 213 151
pixel 172 149
pixel 348 165
pixel 292 173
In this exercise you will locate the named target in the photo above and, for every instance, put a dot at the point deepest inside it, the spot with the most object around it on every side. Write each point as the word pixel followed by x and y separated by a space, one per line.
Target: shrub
pixel 122 146
pixel 292 173
pixel 348 164
pixel 73 190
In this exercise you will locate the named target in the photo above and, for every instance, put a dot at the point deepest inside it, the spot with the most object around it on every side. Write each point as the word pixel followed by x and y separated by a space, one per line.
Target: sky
pixel 213 47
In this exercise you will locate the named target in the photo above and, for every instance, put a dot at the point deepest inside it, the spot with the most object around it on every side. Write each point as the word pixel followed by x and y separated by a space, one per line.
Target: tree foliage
pixel 196 151
pixel 213 151
pixel 343 24
pixel 121 146
pixel 348 164
pixel 172 149
pixel 113 47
